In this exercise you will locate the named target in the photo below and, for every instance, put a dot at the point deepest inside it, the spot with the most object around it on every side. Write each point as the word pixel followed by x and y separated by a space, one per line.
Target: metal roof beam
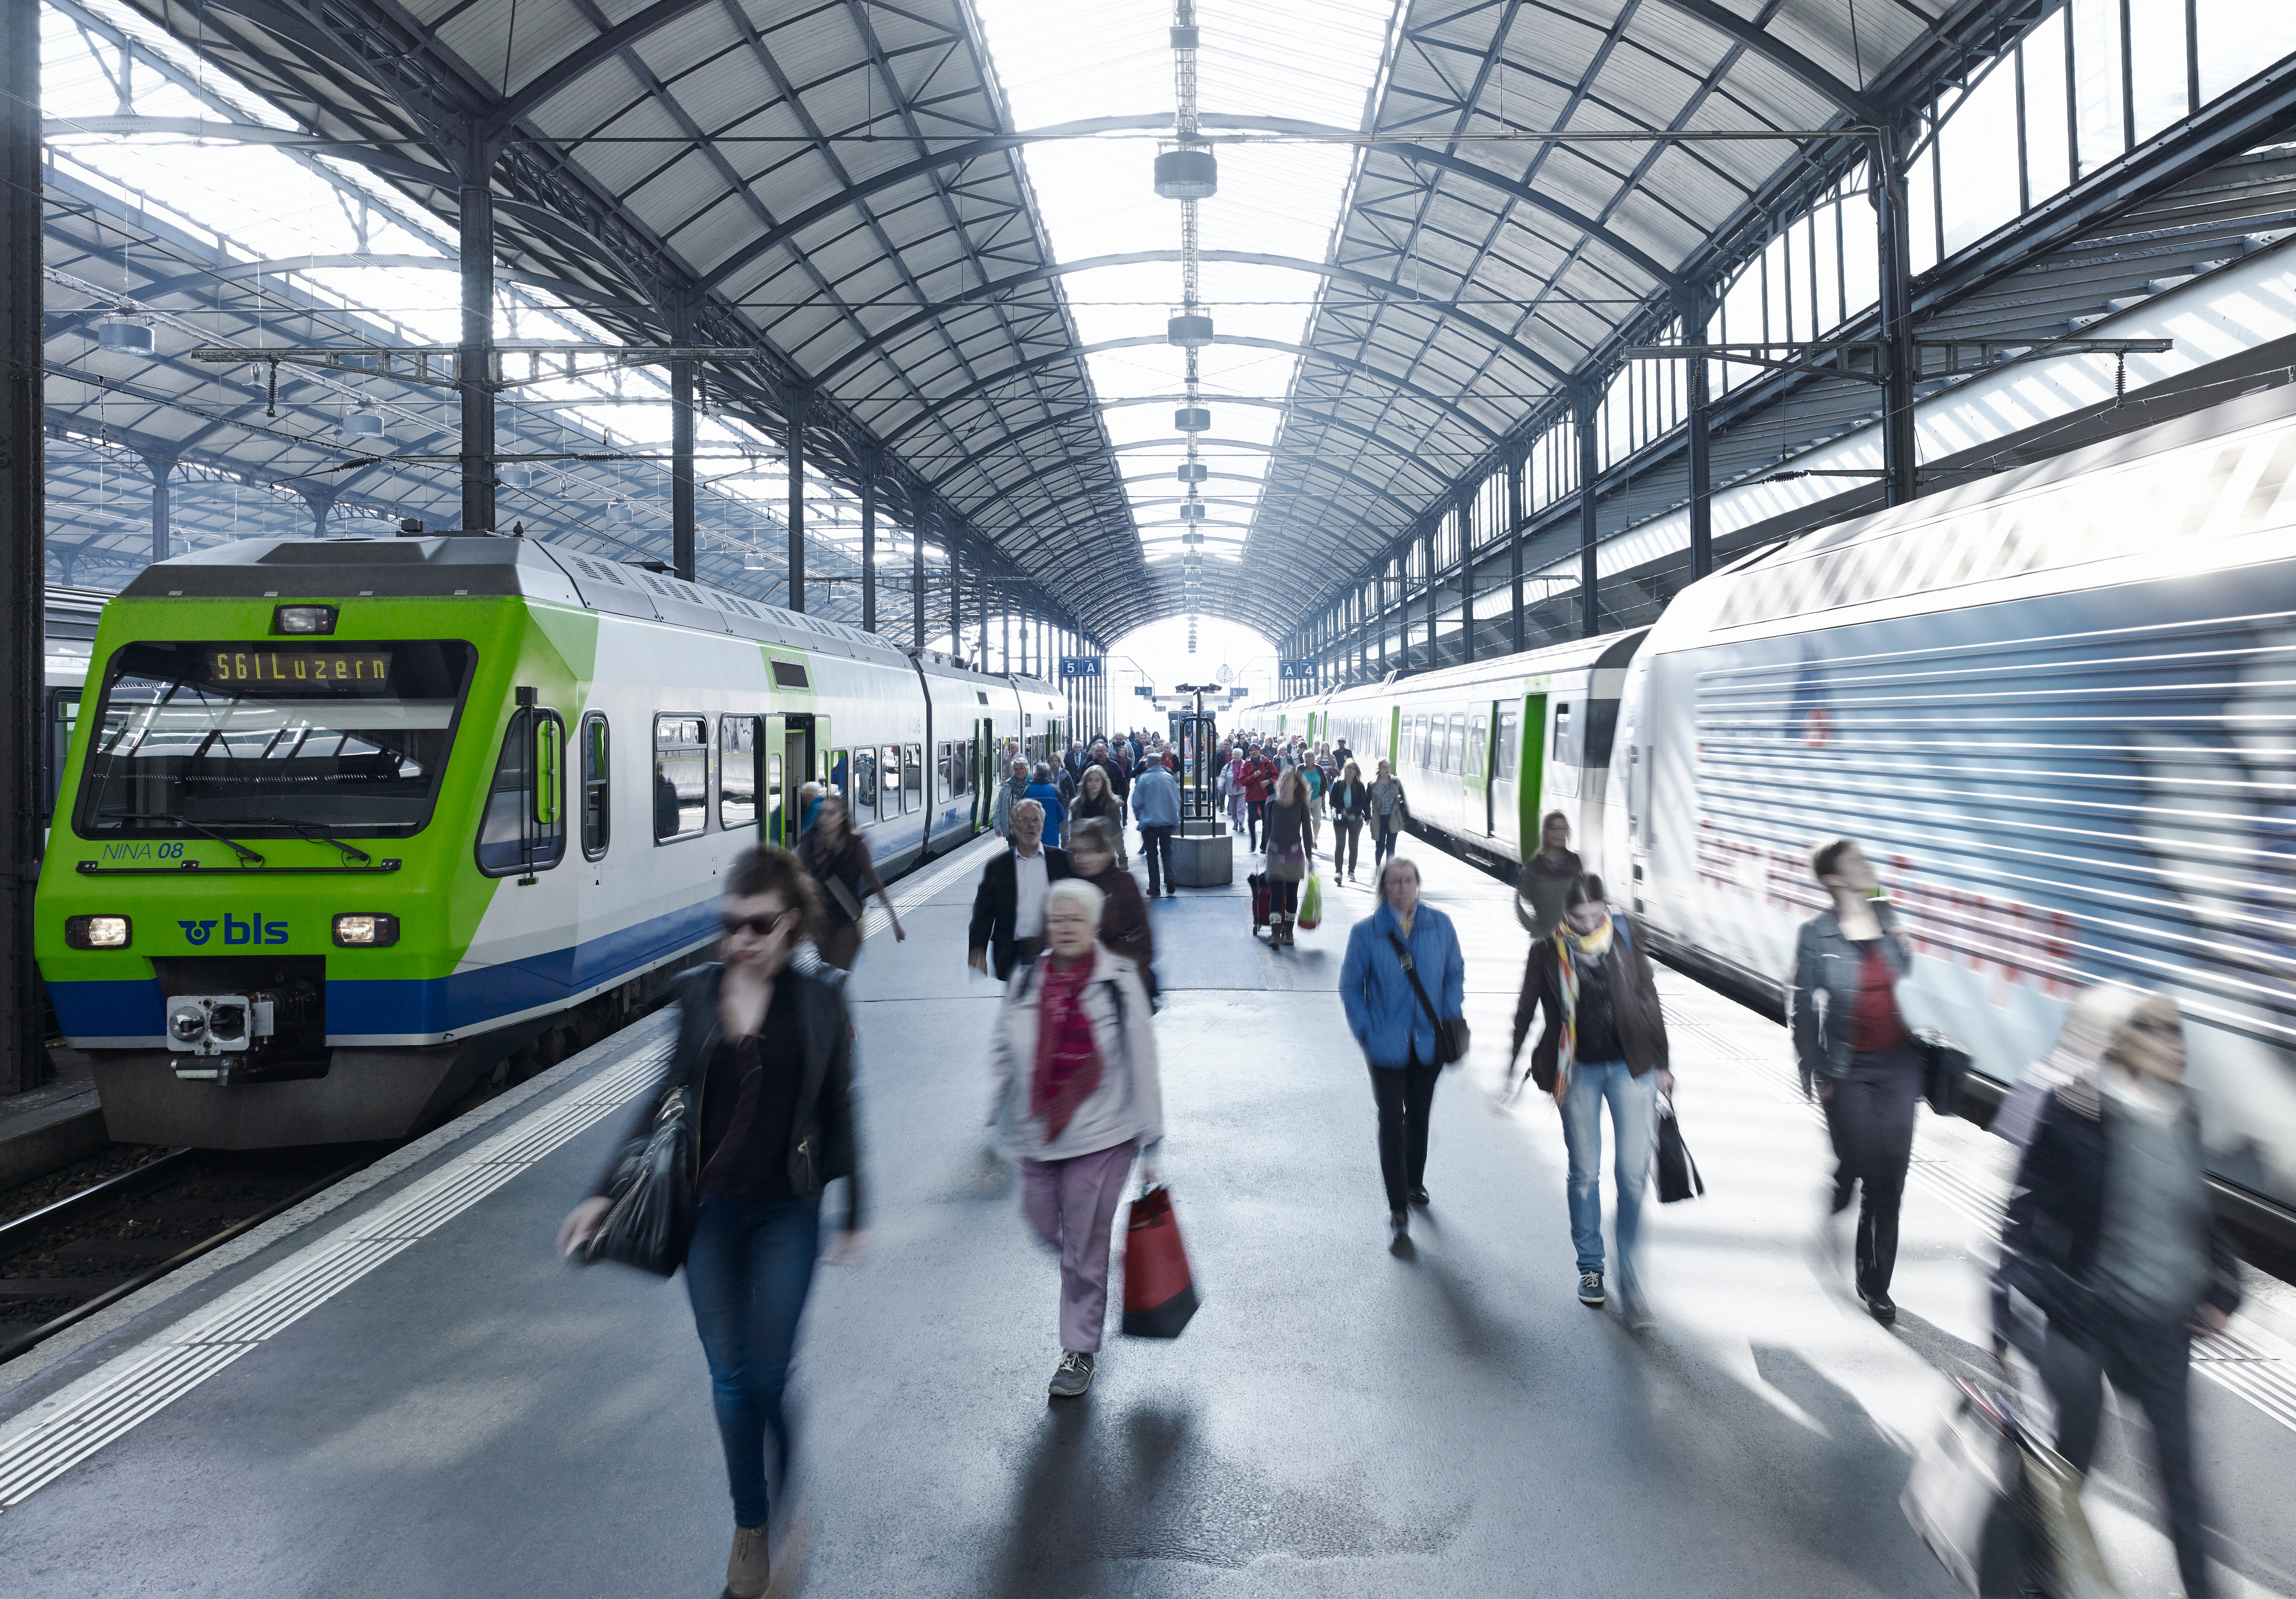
pixel 895 331
pixel 1788 60
pixel 1362 368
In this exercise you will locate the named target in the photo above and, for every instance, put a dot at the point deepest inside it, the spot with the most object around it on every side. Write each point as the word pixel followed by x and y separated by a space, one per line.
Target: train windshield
pixel 280 737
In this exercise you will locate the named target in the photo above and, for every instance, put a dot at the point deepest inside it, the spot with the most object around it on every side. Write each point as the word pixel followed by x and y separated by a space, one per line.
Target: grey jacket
pixel 1008 794
pixel 1826 967
pixel 1129 1103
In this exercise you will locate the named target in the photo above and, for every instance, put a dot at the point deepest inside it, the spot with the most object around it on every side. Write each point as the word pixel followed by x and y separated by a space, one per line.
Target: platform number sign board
pixel 1146 691
pixel 1079 666
pixel 1290 671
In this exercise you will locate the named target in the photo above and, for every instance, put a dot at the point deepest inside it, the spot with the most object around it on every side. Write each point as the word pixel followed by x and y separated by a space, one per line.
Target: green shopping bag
pixel 1311 903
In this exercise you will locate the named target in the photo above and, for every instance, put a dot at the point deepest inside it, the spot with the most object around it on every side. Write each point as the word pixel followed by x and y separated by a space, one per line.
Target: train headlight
pixel 303 619
pixel 365 930
pixel 97 932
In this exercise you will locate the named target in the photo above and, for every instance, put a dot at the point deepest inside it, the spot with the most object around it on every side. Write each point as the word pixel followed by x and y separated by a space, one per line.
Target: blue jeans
pixel 747 1272
pixel 1633 1125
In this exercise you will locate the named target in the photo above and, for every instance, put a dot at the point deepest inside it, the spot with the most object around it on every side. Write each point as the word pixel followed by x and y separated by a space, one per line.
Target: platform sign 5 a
pixel 1293 671
pixel 1079 666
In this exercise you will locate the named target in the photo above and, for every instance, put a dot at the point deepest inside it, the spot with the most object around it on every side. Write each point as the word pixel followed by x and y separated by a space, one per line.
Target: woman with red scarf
pixel 1075 1092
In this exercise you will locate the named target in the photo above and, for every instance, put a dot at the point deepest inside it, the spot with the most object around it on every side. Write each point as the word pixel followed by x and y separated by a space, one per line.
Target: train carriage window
pixel 913 777
pixel 524 826
pixel 681 777
pixel 1508 752
pixel 1421 747
pixel 840 774
pixel 1454 745
pixel 1563 755
pixel 864 786
pixel 737 771
pixel 888 773
pixel 944 758
pixel 1478 732
pixel 597 791
pixel 63 712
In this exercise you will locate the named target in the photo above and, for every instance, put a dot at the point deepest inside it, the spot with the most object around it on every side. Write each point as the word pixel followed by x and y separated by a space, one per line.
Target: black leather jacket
pixel 824 1143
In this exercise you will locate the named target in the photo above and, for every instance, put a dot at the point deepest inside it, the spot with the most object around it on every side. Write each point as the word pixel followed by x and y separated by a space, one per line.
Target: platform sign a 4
pixel 1294 670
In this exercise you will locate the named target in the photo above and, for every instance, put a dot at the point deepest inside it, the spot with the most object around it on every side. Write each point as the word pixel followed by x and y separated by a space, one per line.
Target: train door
pixel 1530 785
pixel 1393 755
pixel 1475 773
pixel 1501 818
pixel 783 762
pixel 986 777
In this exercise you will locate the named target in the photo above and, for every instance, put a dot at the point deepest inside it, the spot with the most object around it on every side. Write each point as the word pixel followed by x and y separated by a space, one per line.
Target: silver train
pixel 2058 708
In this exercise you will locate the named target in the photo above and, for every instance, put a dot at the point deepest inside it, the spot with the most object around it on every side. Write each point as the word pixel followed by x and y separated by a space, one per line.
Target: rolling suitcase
pixel 1258 884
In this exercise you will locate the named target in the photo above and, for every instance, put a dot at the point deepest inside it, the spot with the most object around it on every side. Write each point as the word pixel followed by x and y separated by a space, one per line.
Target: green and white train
pixel 345 827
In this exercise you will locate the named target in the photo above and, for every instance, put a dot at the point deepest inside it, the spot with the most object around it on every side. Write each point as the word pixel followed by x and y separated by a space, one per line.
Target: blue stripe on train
pixel 464 1002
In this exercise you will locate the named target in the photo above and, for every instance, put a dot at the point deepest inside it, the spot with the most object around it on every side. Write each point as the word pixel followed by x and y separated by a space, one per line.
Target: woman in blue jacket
pixel 1396 1033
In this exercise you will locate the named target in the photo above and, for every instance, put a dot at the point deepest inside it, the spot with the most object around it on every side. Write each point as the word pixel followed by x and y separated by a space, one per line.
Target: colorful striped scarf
pixel 1570 948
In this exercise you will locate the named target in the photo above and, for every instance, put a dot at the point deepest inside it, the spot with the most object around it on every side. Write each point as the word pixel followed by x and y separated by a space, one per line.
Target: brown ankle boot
pixel 747 1571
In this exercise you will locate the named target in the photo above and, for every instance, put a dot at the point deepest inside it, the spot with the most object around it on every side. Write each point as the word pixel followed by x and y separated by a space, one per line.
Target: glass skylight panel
pixel 1307 60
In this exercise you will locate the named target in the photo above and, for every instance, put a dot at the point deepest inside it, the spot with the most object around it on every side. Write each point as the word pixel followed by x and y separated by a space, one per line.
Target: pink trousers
pixel 1071 1204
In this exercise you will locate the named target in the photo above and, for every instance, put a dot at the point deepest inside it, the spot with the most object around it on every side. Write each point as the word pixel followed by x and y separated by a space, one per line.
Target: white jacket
pixel 1129 1103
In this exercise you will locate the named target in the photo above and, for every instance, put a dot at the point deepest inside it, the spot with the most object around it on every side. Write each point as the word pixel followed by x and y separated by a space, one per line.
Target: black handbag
pixel 1944 1065
pixel 1677 1173
pixel 652 1199
pixel 1451 1035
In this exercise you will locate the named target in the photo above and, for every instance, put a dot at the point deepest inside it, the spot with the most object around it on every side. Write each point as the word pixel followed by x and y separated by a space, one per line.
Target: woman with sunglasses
pixel 769 1050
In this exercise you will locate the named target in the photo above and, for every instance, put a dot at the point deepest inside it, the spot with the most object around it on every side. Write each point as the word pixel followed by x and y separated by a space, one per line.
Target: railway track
pixel 73 1256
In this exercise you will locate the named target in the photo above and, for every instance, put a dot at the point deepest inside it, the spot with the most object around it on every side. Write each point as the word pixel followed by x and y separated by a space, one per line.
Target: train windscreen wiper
pixel 317 834
pixel 234 845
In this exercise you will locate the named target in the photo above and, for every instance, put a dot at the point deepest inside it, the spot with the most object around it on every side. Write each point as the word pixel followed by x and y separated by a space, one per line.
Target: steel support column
pixel 681 455
pixel 162 469
pixel 919 516
pixel 955 596
pixel 1434 593
pixel 1517 502
pixel 1900 444
pixel 1466 579
pixel 1590 467
pixel 869 544
pixel 476 378
pixel 794 449
pixel 1694 314
pixel 23 545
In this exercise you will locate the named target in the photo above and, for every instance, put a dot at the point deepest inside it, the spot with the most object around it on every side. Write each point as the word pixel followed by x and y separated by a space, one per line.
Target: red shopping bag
pixel 1160 1290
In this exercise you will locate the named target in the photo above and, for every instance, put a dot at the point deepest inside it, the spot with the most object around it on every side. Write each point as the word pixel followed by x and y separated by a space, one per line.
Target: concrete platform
pixel 398 1391
pixel 52 1125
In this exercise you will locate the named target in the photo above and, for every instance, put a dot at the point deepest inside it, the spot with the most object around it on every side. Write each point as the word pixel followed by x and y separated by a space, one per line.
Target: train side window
pixel 63 712
pixel 1455 746
pixel 597 791
pixel 944 758
pixel 1422 743
pixel 913 777
pixel 1508 754
pixel 737 771
pixel 840 776
pixel 681 777
pixel 863 793
pixel 888 774
pixel 524 826
pixel 1476 731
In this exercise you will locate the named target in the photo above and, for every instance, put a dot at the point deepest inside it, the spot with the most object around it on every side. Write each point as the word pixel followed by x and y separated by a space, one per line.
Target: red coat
pixel 1258 778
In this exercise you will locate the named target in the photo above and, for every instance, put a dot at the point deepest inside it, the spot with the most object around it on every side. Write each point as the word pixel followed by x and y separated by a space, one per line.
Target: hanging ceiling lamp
pixel 363 424
pixel 1191 511
pixel 124 335
pixel 515 477
pixel 617 514
pixel 1193 419
pixel 1187 174
pixel 1190 330
pixel 1193 472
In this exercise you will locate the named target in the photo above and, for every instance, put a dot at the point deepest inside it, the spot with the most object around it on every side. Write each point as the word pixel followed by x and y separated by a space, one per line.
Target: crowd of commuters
pixel 2110 1263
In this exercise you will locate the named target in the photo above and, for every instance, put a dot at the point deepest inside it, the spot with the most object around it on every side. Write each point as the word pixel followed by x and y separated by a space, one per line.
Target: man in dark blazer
pixel 1010 898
